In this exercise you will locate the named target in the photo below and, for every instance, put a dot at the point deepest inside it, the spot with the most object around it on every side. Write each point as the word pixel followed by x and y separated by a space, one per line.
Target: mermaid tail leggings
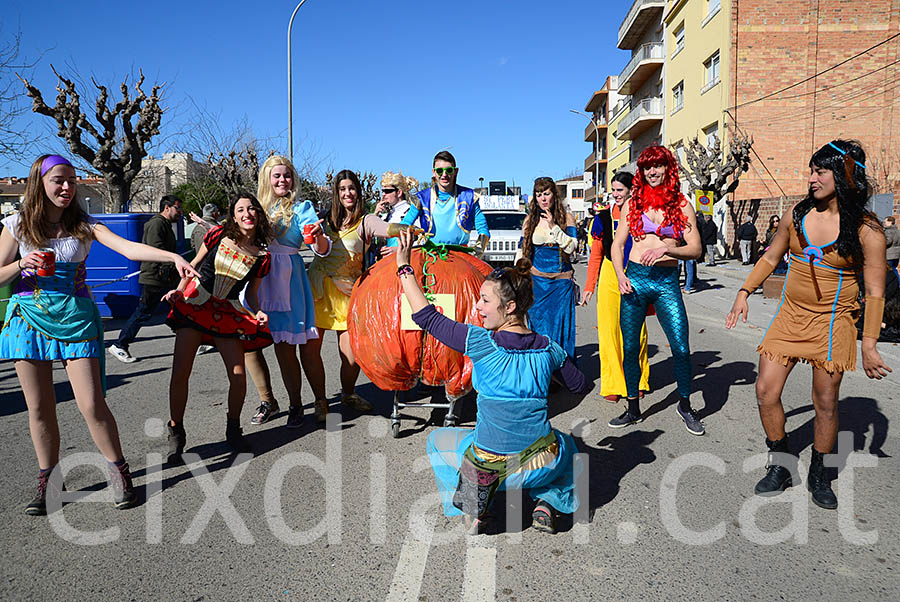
pixel 656 285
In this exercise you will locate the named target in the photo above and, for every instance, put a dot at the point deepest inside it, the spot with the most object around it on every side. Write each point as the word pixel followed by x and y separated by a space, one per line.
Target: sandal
pixel 543 518
pixel 264 412
pixel 320 410
pixel 356 402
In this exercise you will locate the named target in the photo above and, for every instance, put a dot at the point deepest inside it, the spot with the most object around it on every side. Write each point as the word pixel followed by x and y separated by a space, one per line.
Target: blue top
pixel 511 372
pixel 512 387
pixel 450 221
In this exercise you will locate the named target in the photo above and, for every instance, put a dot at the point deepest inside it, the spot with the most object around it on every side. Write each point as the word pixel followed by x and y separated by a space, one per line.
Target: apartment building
pixel 698 47
pixel 642 79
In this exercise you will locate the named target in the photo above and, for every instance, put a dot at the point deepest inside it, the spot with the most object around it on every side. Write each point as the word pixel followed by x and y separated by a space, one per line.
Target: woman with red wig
pixel 663 226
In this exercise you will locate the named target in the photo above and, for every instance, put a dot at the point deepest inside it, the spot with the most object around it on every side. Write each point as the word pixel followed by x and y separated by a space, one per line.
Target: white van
pixel 506 232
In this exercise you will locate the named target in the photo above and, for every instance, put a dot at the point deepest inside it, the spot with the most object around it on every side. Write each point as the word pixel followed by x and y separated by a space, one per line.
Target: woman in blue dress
pixel 548 237
pixel 285 295
pixel 513 445
pixel 52 317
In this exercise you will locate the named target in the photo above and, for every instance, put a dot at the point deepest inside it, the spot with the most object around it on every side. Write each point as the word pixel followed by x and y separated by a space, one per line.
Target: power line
pixel 883 67
pixel 834 102
pixel 815 75
pixel 755 154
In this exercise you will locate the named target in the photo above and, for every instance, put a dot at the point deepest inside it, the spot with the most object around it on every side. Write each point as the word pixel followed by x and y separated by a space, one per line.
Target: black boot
pixel 234 436
pixel 778 477
pixel 819 483
pixel 177 441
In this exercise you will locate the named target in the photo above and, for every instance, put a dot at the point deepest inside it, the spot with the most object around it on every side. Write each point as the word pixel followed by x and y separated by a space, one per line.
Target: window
pixel 713 8
pixel 678 96
pixel 577 193
pixel 711 72
pixel 679 39
pixel 712 134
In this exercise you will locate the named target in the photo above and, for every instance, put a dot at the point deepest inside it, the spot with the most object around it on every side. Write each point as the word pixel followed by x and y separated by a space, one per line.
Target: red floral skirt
pixel 218 318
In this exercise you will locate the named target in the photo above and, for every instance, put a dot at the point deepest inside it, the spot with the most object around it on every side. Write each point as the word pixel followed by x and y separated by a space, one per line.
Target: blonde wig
pixel 406 185
pixel 278 209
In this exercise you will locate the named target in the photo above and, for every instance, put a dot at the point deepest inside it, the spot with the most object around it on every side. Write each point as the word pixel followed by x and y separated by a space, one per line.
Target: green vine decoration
pixel 434 252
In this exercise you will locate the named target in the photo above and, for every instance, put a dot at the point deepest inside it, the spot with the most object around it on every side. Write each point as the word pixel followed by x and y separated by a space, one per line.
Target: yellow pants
pixel 612 376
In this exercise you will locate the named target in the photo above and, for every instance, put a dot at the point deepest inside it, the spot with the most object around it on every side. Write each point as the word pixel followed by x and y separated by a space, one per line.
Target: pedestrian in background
pixel 210 219
pixel 709 234
pixel 156 279
pixel 892 236
pixel 746 234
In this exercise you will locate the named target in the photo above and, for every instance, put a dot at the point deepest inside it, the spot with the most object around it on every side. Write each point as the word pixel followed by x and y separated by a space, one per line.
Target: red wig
pixel 667 197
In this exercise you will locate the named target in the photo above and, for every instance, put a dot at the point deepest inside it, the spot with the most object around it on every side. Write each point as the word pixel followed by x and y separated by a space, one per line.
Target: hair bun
pixel 523 266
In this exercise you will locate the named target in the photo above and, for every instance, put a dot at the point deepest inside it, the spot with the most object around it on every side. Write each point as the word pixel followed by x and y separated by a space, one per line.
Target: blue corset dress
pixel 553 311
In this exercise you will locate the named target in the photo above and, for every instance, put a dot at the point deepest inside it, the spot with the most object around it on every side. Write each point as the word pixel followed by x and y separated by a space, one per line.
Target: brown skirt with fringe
pixel 818 331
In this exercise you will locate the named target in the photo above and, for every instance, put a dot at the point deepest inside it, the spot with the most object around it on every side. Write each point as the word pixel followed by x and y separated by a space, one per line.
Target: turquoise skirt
pixel 21 341
pixel 553 483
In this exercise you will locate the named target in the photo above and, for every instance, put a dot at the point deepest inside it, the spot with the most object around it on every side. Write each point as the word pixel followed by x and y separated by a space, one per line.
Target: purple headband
pixel 52 161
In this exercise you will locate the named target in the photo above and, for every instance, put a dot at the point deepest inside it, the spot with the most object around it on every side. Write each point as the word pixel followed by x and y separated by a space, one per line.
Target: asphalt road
pixel 349 513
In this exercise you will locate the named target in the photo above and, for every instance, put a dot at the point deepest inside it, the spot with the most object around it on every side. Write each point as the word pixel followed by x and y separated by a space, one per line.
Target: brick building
pixel 776 44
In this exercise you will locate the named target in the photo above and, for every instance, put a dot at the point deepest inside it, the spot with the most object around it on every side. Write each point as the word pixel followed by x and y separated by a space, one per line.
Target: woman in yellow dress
pixel 331 278
pixel 612 375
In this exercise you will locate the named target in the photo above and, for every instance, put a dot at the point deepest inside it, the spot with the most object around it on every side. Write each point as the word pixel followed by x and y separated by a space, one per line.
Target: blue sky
pixel 377 85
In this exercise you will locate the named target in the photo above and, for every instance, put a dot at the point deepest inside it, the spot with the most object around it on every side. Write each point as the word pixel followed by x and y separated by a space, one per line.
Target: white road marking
pixel 410 571
pixel 480 580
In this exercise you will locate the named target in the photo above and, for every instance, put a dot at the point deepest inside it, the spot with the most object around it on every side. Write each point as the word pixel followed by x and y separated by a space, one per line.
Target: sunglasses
pixel 444 170
pixel 388 190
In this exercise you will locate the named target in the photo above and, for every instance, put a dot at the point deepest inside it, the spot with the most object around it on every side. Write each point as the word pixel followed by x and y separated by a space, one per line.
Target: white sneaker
pixel 121 354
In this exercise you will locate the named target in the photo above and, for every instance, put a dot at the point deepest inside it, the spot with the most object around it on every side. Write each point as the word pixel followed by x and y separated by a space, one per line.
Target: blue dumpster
pixel 118 299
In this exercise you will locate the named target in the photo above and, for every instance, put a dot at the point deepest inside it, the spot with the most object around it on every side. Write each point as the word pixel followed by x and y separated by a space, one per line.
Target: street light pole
pixel 596 152
pixel 290 87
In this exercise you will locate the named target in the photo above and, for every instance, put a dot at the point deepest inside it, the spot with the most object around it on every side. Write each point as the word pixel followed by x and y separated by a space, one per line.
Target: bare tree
pixel 119 144
pixel 709 171
pixel 14 137
pixel 883 171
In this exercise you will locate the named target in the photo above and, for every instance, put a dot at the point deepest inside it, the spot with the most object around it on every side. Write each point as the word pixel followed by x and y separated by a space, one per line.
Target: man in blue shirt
pixel 449 212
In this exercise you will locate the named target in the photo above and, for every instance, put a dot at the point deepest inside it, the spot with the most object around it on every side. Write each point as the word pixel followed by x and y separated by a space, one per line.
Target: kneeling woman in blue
pixel 513 445
pixel 51 316
pixel 548 237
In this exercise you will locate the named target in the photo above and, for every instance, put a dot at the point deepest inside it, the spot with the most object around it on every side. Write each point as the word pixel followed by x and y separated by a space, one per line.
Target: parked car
pixel 506 232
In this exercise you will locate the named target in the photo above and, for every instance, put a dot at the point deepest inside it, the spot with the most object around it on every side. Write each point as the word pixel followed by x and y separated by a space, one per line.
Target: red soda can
pixel 48 268
pixel 308 237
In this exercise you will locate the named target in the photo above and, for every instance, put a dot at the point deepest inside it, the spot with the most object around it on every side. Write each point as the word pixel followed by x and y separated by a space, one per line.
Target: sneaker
pixel 121 354
pixel 543 518
pixel 691 420
pixel 204 349
pixel 295 417
pixel 356 402
pixel 264 412
pixel 625 419
pixel 234 436
pixel 124 495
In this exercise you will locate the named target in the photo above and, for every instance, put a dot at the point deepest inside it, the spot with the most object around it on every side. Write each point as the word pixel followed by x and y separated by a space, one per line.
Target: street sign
pixel 704 202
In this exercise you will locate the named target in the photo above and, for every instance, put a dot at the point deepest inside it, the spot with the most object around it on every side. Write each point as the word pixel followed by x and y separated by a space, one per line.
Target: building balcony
pixel 589 129
pixel 590 162
pixel 643 116
pixel 642 15
pixel 642 65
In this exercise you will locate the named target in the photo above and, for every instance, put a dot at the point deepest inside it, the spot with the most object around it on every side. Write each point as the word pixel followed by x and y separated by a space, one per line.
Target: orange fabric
pixel 594 262
pixel 395 359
